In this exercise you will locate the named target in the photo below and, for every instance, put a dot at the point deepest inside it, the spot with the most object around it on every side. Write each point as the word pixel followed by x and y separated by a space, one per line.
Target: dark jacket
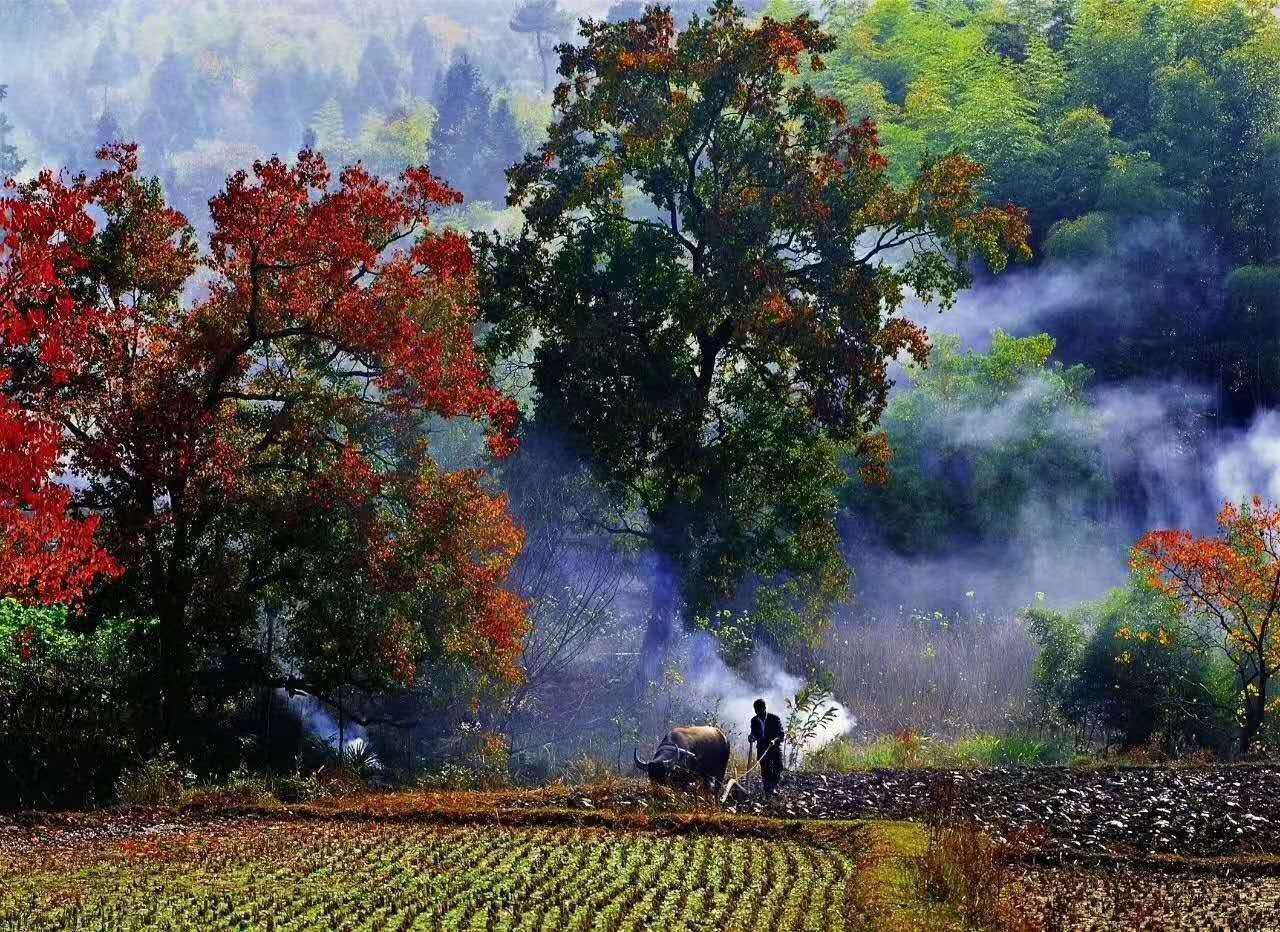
pixel 767 734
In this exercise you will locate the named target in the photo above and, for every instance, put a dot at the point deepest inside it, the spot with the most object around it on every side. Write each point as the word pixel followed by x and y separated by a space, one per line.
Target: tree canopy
pixel 10 164
pixel 1139 135
pixel 1058 106
pixel 263 444
pixel 713 262
pixel 545 20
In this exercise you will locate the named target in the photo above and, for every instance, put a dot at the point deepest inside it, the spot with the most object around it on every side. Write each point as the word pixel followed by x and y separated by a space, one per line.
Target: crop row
pixel 366 876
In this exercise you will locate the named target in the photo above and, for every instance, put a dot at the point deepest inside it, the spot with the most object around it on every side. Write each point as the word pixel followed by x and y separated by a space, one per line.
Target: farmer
pixel 767 736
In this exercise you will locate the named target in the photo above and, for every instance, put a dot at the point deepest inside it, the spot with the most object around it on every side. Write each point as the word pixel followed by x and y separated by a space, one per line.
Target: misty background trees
pixel 10 163
pixel 545 21
pixel 1121 380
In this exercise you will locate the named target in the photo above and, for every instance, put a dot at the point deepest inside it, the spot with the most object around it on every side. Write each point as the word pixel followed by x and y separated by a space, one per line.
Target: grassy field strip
pixel 350 875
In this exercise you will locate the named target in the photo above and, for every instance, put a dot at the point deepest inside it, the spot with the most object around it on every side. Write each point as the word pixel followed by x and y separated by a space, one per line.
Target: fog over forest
pixel 1125 378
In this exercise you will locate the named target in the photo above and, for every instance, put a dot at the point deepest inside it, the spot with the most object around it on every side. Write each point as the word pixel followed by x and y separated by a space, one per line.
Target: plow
pixel 740 781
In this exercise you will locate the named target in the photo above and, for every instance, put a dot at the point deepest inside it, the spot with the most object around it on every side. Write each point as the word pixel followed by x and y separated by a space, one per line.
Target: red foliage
pixel 1237 572
pixel 47 553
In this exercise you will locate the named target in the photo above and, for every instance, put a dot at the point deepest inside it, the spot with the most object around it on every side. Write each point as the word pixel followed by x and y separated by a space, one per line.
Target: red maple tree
pixel 1231 584
pixel 238 422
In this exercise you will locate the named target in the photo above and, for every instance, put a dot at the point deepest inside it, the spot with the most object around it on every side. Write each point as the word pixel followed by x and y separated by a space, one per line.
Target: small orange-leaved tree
pixel 1229 583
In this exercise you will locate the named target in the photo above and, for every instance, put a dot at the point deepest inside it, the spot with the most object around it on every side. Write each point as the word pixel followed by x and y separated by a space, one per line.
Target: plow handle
pixel 742 780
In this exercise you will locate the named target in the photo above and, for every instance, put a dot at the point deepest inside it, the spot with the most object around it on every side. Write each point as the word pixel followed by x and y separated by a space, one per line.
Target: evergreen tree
pixel 506 145
pixel 378 82
pixel 462 94
pixel 327 127
pixel 107 131
pixel 111 64
pixel 173 97
pixel 10 164
pixel 460 153
pixel 311 88
pixel 276 107
pixel 152 133
pixel 424 60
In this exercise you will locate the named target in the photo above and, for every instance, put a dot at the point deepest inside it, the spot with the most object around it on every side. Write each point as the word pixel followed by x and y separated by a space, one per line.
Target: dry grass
pixel 668 813
pixel 950 676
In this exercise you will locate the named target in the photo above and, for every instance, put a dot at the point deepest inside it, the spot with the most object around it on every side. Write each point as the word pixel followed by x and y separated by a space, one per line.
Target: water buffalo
pixel 698 752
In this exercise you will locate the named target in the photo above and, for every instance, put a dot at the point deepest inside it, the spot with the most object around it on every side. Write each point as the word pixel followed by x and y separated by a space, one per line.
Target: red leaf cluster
pixel 47 553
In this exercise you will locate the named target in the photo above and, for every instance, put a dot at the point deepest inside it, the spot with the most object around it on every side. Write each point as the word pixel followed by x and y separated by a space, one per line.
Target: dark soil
pixel 1196 812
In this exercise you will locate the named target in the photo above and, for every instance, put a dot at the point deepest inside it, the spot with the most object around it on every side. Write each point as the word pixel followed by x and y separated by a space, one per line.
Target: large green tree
pixel 708 283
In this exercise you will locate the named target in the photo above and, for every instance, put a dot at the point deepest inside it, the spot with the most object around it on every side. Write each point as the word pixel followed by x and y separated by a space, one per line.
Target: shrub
pixel 589 770
pixel 465 777
pixel 360 760
pixel 844 755
pixel 473 759
pixel 299 787
pixel 158 781
pixel 811 712
pixel 67 726
pixel 971 871
pixel 965 868
pixel 978 876
pixel 1015 750
pixel 909 749
pixel 1128 670
pixel 241 788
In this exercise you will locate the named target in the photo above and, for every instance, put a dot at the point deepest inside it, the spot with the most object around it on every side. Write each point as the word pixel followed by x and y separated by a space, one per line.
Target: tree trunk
pixel 657 641
pixel 542 59
pixel 662 625
pixel 268 691
pixel 175 669
pixel 1248 731
pixel 1255 710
